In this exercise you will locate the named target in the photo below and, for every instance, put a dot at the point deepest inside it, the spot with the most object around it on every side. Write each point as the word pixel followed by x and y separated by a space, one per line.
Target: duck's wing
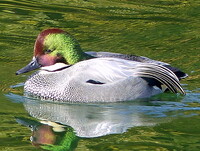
pixel 109 70
pixel 142 59
pixel 160 74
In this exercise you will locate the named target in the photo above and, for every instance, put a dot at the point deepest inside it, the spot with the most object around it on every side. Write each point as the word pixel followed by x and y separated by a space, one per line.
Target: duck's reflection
pixel 50 135
pixel 92 120
pixel 43 135
pixel 62 125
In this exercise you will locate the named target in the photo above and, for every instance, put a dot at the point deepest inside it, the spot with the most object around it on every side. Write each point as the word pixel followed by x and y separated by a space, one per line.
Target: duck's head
pixel 53 46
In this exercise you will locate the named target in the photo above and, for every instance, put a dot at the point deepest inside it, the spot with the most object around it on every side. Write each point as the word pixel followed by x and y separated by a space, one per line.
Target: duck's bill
pixel 31 66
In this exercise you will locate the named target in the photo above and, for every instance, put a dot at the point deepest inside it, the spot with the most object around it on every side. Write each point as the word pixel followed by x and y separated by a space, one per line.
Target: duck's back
pixel 136 58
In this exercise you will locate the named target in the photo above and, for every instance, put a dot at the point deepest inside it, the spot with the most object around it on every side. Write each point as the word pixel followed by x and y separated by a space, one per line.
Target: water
pixel 166 30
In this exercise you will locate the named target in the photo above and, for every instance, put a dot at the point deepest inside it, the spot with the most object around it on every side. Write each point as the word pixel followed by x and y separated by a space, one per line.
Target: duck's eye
pixel 48 51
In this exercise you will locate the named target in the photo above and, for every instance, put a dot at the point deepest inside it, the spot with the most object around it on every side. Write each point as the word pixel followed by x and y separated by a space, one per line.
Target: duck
pixel 69 74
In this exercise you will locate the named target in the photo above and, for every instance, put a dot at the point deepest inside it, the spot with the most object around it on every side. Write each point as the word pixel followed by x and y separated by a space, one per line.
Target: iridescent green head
pixel 52 46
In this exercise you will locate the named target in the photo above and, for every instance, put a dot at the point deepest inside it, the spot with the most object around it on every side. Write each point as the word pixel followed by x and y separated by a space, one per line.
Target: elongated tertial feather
pixel 162 74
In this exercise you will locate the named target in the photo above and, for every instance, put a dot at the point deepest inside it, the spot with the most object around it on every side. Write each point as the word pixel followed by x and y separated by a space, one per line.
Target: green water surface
pixel 165 30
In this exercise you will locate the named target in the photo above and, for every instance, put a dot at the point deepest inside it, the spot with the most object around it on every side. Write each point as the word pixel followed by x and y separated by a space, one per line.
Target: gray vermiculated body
pixel 80 91
pixel 71 84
